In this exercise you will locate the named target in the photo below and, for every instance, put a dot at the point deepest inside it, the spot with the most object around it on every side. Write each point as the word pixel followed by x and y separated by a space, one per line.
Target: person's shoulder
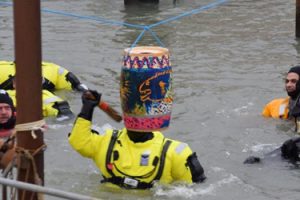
pixel 105 130
pixel 278 101
pixel 177 147
pixel 49 64
pixel 6 63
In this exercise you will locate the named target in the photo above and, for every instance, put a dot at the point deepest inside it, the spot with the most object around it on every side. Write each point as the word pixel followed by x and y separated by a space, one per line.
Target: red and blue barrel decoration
pixel 146 88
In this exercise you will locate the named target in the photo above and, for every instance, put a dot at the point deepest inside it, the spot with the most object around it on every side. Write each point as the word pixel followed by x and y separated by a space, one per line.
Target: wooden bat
pixel 106 108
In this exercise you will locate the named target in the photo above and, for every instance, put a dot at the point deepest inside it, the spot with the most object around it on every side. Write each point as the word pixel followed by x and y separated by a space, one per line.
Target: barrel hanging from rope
pixel 146 88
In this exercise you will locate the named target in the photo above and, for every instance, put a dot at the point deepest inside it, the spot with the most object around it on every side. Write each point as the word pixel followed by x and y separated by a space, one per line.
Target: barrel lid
pixel 146 51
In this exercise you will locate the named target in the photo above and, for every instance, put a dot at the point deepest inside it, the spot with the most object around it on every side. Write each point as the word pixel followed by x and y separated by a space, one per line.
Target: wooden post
pixel 27 29
pixel 297 18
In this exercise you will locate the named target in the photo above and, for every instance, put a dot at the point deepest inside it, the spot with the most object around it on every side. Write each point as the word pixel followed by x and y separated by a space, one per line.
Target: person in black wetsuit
pixel 289 151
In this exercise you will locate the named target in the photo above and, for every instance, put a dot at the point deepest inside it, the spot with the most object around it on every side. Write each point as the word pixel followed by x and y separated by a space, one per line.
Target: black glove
pixel 252 160
pixel 76 84
pixel 64 110
pixel 197 170
pixel 90 99
pixel 291 148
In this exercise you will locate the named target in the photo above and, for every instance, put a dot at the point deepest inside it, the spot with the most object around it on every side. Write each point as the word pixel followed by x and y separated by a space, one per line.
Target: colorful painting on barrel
pixel 146 97
pixel 146 62
pixel 147 124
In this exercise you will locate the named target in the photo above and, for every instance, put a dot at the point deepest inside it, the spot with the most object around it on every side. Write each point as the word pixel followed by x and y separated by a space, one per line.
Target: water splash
pixel 194 191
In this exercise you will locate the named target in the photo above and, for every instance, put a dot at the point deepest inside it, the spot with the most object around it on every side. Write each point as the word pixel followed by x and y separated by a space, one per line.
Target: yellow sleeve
pixel 83 140
pixel 7 69
pixel 179 170
pixel 48 110
pixel 62 82
pixel 49 71
pixel 48 101
pixel 57 75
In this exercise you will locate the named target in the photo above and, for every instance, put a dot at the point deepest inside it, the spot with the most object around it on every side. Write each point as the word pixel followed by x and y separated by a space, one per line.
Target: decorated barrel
pixel 146 88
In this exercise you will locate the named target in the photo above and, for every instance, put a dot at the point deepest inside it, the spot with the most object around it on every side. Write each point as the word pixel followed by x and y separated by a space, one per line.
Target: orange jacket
pixel 277 108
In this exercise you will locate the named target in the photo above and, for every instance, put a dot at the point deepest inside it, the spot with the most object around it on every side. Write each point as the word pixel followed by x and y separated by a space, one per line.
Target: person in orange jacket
pixel 285 108
pixel 289 107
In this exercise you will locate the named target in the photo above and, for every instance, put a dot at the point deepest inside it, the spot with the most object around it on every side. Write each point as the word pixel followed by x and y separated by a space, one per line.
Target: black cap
pixel 295 69
pixel 5 98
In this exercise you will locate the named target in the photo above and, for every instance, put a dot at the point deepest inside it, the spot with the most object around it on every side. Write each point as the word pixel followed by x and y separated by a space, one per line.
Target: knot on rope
pixel 146 28
pixel 32 126
pixel 25 159
pixel 30 153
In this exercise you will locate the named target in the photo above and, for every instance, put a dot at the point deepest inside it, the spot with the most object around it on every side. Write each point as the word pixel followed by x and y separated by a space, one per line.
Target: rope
pixel 32 126
pixel 8 172
pixel 142 27
pixel 189 13
pixel 24 159
pixel 29 156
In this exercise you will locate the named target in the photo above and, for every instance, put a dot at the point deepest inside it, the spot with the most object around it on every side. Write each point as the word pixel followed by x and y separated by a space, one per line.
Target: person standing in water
pixel 288 107
pixel 138 155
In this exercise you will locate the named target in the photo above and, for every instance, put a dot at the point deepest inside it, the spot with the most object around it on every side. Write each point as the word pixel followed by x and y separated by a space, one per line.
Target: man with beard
pixel 7 115
pixel 289 107
pixel 7 124
pixel 285 108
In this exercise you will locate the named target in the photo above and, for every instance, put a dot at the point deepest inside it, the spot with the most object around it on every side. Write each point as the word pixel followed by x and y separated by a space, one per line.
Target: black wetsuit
pixel 289 150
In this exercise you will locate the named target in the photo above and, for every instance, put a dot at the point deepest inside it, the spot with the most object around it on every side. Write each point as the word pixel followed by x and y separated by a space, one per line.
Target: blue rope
pixel 143 27
pixel 189 13
pixel 98 19
pixel 138 39
pixel 93 18
pixel 156 37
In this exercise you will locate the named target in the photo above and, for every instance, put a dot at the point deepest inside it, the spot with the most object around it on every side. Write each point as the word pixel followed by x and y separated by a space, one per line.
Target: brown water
pixel 228 63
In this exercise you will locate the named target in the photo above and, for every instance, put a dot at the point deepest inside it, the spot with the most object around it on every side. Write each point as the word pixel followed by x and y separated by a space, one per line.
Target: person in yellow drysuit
pixel 288 107
pixel 53 106
pixel 138 155
pixel 132 159
pixel 55 77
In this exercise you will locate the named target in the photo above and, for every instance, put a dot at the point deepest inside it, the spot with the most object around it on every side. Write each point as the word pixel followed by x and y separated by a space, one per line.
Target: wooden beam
pixel 27 29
